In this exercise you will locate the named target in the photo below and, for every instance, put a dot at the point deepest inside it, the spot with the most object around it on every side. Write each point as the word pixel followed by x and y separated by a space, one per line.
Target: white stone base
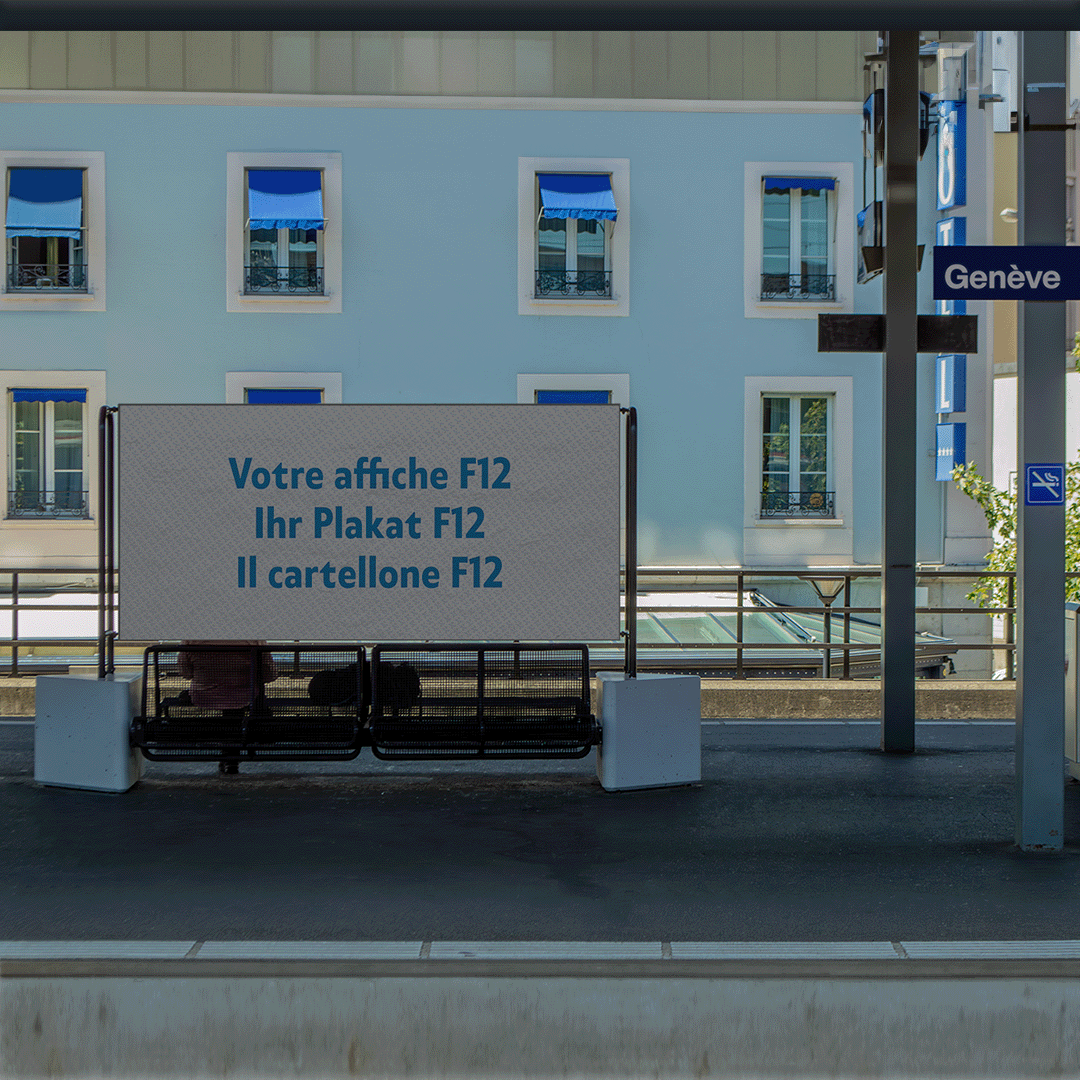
pixel 82 731
pixel 651 730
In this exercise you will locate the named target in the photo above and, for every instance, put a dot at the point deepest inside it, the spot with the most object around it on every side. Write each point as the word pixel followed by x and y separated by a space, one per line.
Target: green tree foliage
pixel 999 507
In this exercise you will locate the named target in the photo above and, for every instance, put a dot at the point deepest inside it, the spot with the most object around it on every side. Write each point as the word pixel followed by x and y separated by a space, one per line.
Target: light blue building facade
pixel 735 227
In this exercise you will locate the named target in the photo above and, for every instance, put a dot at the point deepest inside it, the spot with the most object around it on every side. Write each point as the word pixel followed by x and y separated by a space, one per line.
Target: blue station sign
pixel 1007 273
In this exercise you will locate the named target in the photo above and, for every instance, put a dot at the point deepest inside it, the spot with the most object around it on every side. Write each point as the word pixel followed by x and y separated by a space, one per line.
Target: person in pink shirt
pixel 224 680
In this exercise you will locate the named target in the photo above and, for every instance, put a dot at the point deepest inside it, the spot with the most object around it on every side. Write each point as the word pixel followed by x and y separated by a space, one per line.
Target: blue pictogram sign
pixel 951 449
pixel 1044 485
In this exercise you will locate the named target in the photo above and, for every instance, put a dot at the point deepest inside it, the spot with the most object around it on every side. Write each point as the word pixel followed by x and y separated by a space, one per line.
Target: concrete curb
pixel 17 696
pixel 818 699
pixel 751 699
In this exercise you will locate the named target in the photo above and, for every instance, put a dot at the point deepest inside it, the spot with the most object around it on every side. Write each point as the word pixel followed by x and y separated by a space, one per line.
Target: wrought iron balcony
pixel 798 287
pixel 68 277
pixel 276 279
pixel 574 283
pixel 48 504
pixel 798 504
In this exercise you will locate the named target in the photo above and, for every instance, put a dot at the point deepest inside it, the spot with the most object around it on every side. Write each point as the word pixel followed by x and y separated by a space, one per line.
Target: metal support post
pixel 106 553
pixel 102 496
pixel 631 543
pixel 899 394
pixel 1040 554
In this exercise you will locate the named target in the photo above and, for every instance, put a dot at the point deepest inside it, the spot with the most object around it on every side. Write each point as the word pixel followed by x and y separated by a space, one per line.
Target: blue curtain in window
pixel 48 395
pixel 804 183
pixel 274 395
pixel 573 397
pixel 285 199
pixel 45 202
pixel 577 195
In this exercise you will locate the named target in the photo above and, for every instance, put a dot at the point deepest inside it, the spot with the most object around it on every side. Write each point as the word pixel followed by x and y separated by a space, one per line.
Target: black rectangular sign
pixel 866 333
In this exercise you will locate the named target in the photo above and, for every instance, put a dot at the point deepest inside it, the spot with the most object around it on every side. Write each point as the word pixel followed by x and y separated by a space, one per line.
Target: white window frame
pixel 617 385
pixel 616 247
pixel 93 164
pixel 237 383
pixel 799 541
pixel 841 238
pixel 237 164
pixel 795 442
pixel 93 382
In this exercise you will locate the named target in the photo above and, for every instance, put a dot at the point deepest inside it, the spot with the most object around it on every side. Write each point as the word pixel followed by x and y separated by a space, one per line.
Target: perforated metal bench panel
pixel 482 700
pixel 277 719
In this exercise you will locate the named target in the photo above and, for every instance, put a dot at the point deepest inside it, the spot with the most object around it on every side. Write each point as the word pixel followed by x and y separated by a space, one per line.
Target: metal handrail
pixel 586 283
pixel 48 504
pixel 737 580
pixel 798 504
pixel 292 279
pixel 798 287
pixel 57 276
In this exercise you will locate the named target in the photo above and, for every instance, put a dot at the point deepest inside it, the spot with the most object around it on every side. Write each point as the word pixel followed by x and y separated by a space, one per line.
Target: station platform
pixel 812 908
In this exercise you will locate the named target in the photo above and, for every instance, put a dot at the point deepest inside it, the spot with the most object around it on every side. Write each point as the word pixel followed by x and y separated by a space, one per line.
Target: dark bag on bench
pixel 335 686
pixel 399 686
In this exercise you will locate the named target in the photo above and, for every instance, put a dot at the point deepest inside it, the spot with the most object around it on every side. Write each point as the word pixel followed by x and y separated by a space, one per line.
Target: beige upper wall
pixel 716 65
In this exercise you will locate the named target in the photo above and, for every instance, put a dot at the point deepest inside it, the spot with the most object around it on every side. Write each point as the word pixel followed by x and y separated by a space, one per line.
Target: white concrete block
pixel 81 731
pixel 651 730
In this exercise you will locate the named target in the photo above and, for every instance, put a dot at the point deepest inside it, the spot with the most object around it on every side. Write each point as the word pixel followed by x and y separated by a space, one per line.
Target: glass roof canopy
pixel 697 632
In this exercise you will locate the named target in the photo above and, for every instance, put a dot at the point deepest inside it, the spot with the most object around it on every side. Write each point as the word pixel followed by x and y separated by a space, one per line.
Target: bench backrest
pixel 218 676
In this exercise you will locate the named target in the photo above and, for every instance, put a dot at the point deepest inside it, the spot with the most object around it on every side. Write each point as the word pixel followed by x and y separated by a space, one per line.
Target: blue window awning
pixel 48 395
pixel 45 202
pixel 277 395
pixel 285 199
pixel 573 397
pixel 577 195
pixel 804 183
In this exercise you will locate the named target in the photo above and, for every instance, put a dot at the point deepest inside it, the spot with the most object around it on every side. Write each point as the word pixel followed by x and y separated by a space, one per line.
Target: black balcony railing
pixel 798 286
pixel 574 283
pixel 796 504
pixel 277 279
pixel 68 277
pixel 48 504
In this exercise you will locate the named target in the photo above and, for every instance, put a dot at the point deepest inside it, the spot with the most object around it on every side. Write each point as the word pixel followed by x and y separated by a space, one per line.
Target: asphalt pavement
pixel 798 831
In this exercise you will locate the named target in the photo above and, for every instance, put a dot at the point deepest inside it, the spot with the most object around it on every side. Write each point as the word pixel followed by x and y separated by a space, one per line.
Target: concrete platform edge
pixel 538 1026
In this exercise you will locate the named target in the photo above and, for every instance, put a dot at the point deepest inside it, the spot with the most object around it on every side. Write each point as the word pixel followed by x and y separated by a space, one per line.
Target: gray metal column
pixel 1040 561
pixel 899 394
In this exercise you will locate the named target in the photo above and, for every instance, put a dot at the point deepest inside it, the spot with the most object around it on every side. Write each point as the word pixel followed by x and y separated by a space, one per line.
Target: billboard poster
pixel 369 522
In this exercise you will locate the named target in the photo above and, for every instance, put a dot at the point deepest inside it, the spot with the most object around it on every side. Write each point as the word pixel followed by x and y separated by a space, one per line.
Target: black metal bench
pixel 481 700
pixel 211 702
pixel 217 702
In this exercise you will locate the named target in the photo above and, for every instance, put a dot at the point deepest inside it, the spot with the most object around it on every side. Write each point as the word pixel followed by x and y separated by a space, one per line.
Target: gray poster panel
pixel 369 522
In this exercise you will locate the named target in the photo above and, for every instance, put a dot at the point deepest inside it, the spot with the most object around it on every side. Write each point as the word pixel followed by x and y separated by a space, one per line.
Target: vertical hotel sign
pixel 952 154
pixel 951 436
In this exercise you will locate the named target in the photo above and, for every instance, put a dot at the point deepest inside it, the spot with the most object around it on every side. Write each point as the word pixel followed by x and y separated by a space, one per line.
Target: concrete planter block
pixel 651 730
pixel 81 731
